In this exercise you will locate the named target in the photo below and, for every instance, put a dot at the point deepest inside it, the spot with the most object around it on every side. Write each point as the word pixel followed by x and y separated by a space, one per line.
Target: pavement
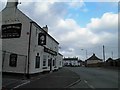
pixel 63 78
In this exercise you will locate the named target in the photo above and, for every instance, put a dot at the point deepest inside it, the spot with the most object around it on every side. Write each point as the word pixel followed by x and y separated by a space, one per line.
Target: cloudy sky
pixel 78 26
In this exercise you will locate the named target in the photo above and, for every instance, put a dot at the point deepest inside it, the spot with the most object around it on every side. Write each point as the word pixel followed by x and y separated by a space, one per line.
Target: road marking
pixel 73 83
pixel 89 84
pixel 20 85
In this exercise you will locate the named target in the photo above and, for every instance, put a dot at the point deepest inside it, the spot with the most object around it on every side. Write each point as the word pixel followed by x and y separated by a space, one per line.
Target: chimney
pixel 45 28
pixel 93 54
pixel 12 3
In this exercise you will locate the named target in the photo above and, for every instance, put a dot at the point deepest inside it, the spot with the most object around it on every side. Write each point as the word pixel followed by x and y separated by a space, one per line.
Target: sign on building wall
pixel 11 30
pixel 50 51
pixel 42 39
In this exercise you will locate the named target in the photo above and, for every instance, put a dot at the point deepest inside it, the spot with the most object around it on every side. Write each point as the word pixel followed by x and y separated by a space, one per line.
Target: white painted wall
pixel 20 45
pixel 0 64
pixel 59 61
pixel 73 62
pixel 16 45
pixel 53 45
pixel 34 49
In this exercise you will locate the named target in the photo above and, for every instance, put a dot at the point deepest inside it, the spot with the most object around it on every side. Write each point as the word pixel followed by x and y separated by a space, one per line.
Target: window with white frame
pixel 37 64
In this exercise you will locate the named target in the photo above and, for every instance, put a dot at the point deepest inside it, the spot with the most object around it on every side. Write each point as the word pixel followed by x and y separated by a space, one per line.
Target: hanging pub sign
pixel 11 30
pixel 41 39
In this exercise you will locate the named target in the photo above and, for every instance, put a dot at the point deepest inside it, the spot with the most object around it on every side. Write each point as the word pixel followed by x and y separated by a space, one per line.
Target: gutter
pixel 28 63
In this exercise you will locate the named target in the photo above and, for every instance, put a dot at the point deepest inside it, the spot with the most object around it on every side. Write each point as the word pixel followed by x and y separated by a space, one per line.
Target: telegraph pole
pixel 103 53
pixel 86 54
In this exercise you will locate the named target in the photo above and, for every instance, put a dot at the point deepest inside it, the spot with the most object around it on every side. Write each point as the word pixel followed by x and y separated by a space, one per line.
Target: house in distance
pixel 27 48
pixel 71 61
pixel 93 61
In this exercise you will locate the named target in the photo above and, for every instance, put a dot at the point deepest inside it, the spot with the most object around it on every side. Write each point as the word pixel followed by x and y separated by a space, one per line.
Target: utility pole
pixel 103 53
pixel 86 54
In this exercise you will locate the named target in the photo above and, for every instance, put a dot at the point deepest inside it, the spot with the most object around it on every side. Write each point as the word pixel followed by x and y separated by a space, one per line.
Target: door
pixel 51 64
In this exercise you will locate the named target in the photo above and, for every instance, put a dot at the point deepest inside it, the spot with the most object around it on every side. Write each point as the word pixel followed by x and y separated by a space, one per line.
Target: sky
pixel 79 26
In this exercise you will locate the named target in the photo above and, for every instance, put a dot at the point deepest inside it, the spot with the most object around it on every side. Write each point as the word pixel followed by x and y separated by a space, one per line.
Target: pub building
pixel 26 47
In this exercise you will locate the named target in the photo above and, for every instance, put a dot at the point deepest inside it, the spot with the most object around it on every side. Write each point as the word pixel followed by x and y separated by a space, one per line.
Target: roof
pixel 94 57
pixel 45 31
pixel 109 59
pixel 60 54
pixel 80 61
pixel 118 59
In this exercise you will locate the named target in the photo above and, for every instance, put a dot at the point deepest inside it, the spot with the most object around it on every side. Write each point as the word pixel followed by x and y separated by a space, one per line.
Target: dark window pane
pixel 13 60
pixel 37 64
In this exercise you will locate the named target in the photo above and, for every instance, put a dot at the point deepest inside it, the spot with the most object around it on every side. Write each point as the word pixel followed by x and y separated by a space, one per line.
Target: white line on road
pixel 73 83
pixel 89 84
pixel 20 85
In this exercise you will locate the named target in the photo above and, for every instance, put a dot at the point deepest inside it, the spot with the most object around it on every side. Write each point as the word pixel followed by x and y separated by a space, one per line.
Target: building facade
pixel 93 61
pixel 71 62
pixel 60 60
pixel 0 66
pixel 27 48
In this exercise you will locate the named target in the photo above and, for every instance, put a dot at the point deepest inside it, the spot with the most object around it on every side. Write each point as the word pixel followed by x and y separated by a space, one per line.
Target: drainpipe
pixel 28 63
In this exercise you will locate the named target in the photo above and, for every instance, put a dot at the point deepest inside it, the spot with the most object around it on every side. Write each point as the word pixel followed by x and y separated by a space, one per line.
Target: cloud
pixel 76 3
pixel 107 23
pixel 98 32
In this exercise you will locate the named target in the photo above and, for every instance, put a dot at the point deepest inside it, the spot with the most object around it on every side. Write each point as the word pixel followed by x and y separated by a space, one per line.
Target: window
pixel 37 64
pixel 53 62
pixel 44 60
pixel 49 62
pixel 60 63
pixel 13 60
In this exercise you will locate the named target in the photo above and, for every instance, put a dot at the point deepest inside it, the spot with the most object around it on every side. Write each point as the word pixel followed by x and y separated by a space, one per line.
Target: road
pixel 95 77
pixel 63 78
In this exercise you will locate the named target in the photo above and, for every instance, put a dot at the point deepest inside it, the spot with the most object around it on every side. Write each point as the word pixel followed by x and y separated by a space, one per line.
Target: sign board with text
pixel 11 30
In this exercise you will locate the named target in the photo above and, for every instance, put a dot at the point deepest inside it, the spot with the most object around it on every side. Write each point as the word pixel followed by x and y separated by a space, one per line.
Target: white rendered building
pixel 27 48
pixel 60 60
pixel 71 62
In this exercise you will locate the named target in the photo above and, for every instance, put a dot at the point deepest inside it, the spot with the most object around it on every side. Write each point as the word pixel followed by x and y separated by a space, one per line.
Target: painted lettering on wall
pixel 11 30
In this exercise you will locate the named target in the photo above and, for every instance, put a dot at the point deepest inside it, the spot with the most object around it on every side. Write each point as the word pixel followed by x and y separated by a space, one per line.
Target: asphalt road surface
pixel 63 78
pixel 95 77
